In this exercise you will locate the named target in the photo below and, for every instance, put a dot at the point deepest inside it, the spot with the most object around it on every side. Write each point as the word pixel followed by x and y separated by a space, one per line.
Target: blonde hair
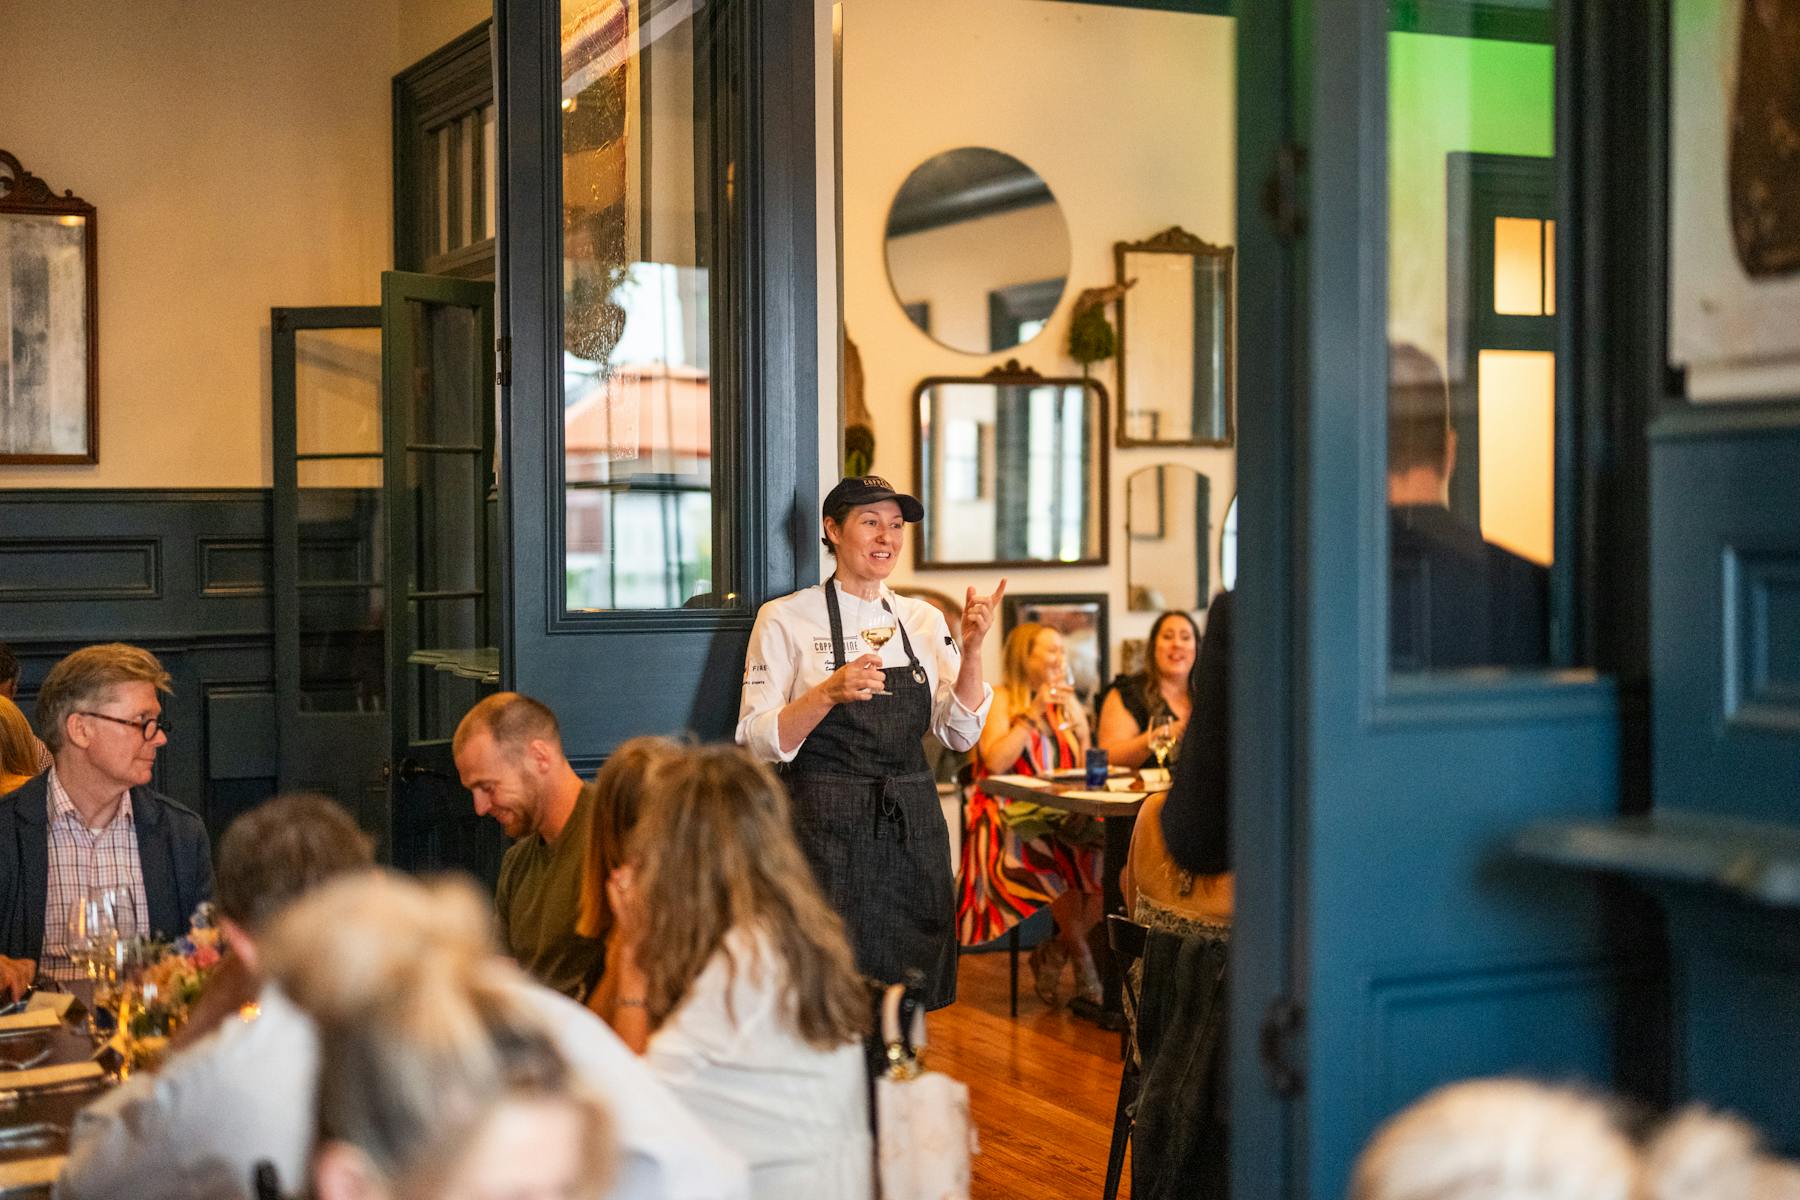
pixel 1703 1156
pixel 614 801
pixel 86 678
pixel 1499 1139
pixel 715 852
pixel 423 1033
pixel 1014 660
pixel 1511 1139
pixel 18 752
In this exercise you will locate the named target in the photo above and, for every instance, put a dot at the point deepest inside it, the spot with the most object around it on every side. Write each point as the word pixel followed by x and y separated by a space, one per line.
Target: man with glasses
pixel 91 821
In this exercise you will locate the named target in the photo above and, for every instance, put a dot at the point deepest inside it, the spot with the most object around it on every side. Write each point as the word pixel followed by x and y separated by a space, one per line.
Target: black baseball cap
pixel 858 490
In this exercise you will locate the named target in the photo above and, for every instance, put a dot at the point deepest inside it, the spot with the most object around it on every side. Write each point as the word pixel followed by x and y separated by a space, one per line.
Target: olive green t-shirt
pixel 538 899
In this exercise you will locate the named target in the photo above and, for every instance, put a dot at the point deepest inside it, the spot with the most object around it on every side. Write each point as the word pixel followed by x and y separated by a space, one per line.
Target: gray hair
pixel 86 678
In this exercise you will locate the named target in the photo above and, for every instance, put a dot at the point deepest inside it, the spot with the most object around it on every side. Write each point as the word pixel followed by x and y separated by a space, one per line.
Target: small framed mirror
pixel 1011 469
pixel 1176 341
pixel 977 250
pixel 49 324
pixel 1168 534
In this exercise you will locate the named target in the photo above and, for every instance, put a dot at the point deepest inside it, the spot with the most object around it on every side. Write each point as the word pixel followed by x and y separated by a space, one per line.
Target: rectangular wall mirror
pixel 1175 341
pixel 1011 468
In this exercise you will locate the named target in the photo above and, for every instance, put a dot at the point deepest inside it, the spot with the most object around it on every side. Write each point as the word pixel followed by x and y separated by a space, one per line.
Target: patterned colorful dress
pixel 1018 857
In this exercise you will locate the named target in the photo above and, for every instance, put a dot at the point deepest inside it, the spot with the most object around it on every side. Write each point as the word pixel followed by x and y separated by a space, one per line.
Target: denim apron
pixel 867 816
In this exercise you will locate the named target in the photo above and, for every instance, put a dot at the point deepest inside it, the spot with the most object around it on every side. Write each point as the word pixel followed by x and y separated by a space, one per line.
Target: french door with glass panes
pixel 658 296
pixel 1417 672
pixel 383 508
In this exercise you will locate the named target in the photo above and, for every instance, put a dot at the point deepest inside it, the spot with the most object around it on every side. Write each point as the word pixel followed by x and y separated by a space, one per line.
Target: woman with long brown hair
pixel 1018 857
pixel 733 977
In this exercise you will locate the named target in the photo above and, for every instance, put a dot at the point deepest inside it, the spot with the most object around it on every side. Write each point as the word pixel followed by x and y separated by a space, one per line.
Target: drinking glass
pixel 1162 740
pixel 877 626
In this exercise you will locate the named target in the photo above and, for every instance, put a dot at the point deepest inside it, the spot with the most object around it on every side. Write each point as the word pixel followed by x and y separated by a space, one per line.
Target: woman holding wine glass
pixel 1151 706
pixel 1017 856
pixel 841 684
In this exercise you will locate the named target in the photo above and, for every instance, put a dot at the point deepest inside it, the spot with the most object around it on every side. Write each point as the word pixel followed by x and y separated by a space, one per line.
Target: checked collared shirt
pixel 82 859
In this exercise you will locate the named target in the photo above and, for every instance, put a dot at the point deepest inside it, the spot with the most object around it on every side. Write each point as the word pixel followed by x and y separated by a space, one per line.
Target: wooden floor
pixel 1042 1087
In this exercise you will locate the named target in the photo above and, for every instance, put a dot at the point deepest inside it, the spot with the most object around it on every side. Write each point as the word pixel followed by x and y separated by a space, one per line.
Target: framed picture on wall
pixel 1734 200
pixel 1080 618
pixel 49 356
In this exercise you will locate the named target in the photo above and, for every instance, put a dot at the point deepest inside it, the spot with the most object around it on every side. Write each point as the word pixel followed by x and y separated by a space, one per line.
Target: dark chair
pixel 1127 939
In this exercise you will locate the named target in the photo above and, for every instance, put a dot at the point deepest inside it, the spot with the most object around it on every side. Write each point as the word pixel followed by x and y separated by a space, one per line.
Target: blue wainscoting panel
pixel 51 568
pixel 185 574
pixel 1725 623
pixel 1737 983
pixel 1431 1026
pixel 1725 614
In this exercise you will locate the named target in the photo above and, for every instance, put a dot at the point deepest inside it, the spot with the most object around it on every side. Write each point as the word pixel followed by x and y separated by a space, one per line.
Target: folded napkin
pixel 30 1021
pixel 28 1173
pixel 1031 781
pixel 39 1077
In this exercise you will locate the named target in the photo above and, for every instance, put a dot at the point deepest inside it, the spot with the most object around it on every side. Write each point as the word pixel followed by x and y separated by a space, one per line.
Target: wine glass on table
pixel 91 934
pixel 1162 740
pixel 878 628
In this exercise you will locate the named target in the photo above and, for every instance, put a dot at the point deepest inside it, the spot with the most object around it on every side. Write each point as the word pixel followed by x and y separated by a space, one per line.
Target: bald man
pixel 509 753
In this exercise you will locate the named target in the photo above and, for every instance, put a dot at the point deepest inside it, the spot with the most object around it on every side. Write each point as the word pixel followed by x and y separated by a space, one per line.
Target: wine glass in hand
pixel 877 628
pixel 1162 740
pixel 1062 698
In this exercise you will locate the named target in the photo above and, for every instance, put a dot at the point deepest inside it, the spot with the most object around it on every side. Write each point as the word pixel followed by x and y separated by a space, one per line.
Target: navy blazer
pixel 172 848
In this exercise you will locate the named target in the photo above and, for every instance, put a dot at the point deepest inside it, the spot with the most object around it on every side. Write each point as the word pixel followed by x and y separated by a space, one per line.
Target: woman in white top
pixel 733 978
pixel 844 710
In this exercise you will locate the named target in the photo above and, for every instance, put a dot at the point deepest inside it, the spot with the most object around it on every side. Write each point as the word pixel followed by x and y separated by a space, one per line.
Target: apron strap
pixel 918 672
pixel 837 623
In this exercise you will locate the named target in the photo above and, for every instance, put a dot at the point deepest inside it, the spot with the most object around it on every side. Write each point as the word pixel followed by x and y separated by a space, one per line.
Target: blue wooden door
pixel 1387 939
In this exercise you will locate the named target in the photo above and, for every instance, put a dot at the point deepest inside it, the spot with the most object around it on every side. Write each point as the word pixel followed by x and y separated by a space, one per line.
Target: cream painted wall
pixel 1127 114
pixel 427 24
pixel 240 159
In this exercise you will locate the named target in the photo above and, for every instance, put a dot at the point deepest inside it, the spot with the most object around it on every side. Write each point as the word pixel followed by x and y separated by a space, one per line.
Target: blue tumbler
pixel 1096 768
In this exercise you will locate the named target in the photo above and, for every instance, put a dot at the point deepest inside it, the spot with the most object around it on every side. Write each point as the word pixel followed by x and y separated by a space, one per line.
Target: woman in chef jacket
pixel 841 683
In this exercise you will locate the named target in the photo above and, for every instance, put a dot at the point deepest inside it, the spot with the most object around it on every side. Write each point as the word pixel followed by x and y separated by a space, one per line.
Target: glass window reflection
pixel 1472 345
pixel 639 219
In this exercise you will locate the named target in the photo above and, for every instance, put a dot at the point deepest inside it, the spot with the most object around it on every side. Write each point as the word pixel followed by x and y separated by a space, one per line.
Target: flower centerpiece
pixel 158 993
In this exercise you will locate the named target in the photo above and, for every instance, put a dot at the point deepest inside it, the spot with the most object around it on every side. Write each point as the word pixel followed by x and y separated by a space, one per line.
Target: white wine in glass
pixel 878 635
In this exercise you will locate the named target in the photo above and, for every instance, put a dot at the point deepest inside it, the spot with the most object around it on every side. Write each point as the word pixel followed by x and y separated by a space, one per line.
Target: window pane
pixel 489 172
pixel 638 296
pixel 1518 266
pixel 1471 487
pixel 337 391
pixel 342 614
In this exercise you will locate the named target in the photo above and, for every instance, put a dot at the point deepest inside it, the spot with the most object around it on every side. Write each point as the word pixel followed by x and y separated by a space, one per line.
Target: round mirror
pixel 977 250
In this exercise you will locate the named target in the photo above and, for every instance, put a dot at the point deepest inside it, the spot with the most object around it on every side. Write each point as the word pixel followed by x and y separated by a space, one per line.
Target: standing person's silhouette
pixel 1455 600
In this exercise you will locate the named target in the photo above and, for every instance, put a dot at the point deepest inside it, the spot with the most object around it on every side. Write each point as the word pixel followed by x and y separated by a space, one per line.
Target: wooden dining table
pixel 35 1124
pixel 1072 794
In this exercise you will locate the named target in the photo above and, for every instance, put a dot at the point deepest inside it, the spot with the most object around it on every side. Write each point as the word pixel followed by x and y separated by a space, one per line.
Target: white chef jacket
pixel 790 651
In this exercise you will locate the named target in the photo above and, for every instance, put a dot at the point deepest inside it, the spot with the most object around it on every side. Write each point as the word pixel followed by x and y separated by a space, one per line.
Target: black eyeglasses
pixel 148 726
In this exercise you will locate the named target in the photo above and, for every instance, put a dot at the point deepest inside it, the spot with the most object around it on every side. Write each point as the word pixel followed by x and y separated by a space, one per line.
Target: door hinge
pixel 503 361
pixel 1283 1021
pixel 1281 201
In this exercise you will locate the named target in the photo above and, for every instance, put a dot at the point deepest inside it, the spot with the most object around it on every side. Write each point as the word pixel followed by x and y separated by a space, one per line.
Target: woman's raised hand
pixel 859 679
pixel 978 618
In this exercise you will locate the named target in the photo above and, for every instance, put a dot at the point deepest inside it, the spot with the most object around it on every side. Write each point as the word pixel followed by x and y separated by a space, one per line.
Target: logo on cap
pixel 876 481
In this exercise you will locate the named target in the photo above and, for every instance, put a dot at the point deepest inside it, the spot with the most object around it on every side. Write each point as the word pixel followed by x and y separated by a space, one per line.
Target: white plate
pixel 1069 773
